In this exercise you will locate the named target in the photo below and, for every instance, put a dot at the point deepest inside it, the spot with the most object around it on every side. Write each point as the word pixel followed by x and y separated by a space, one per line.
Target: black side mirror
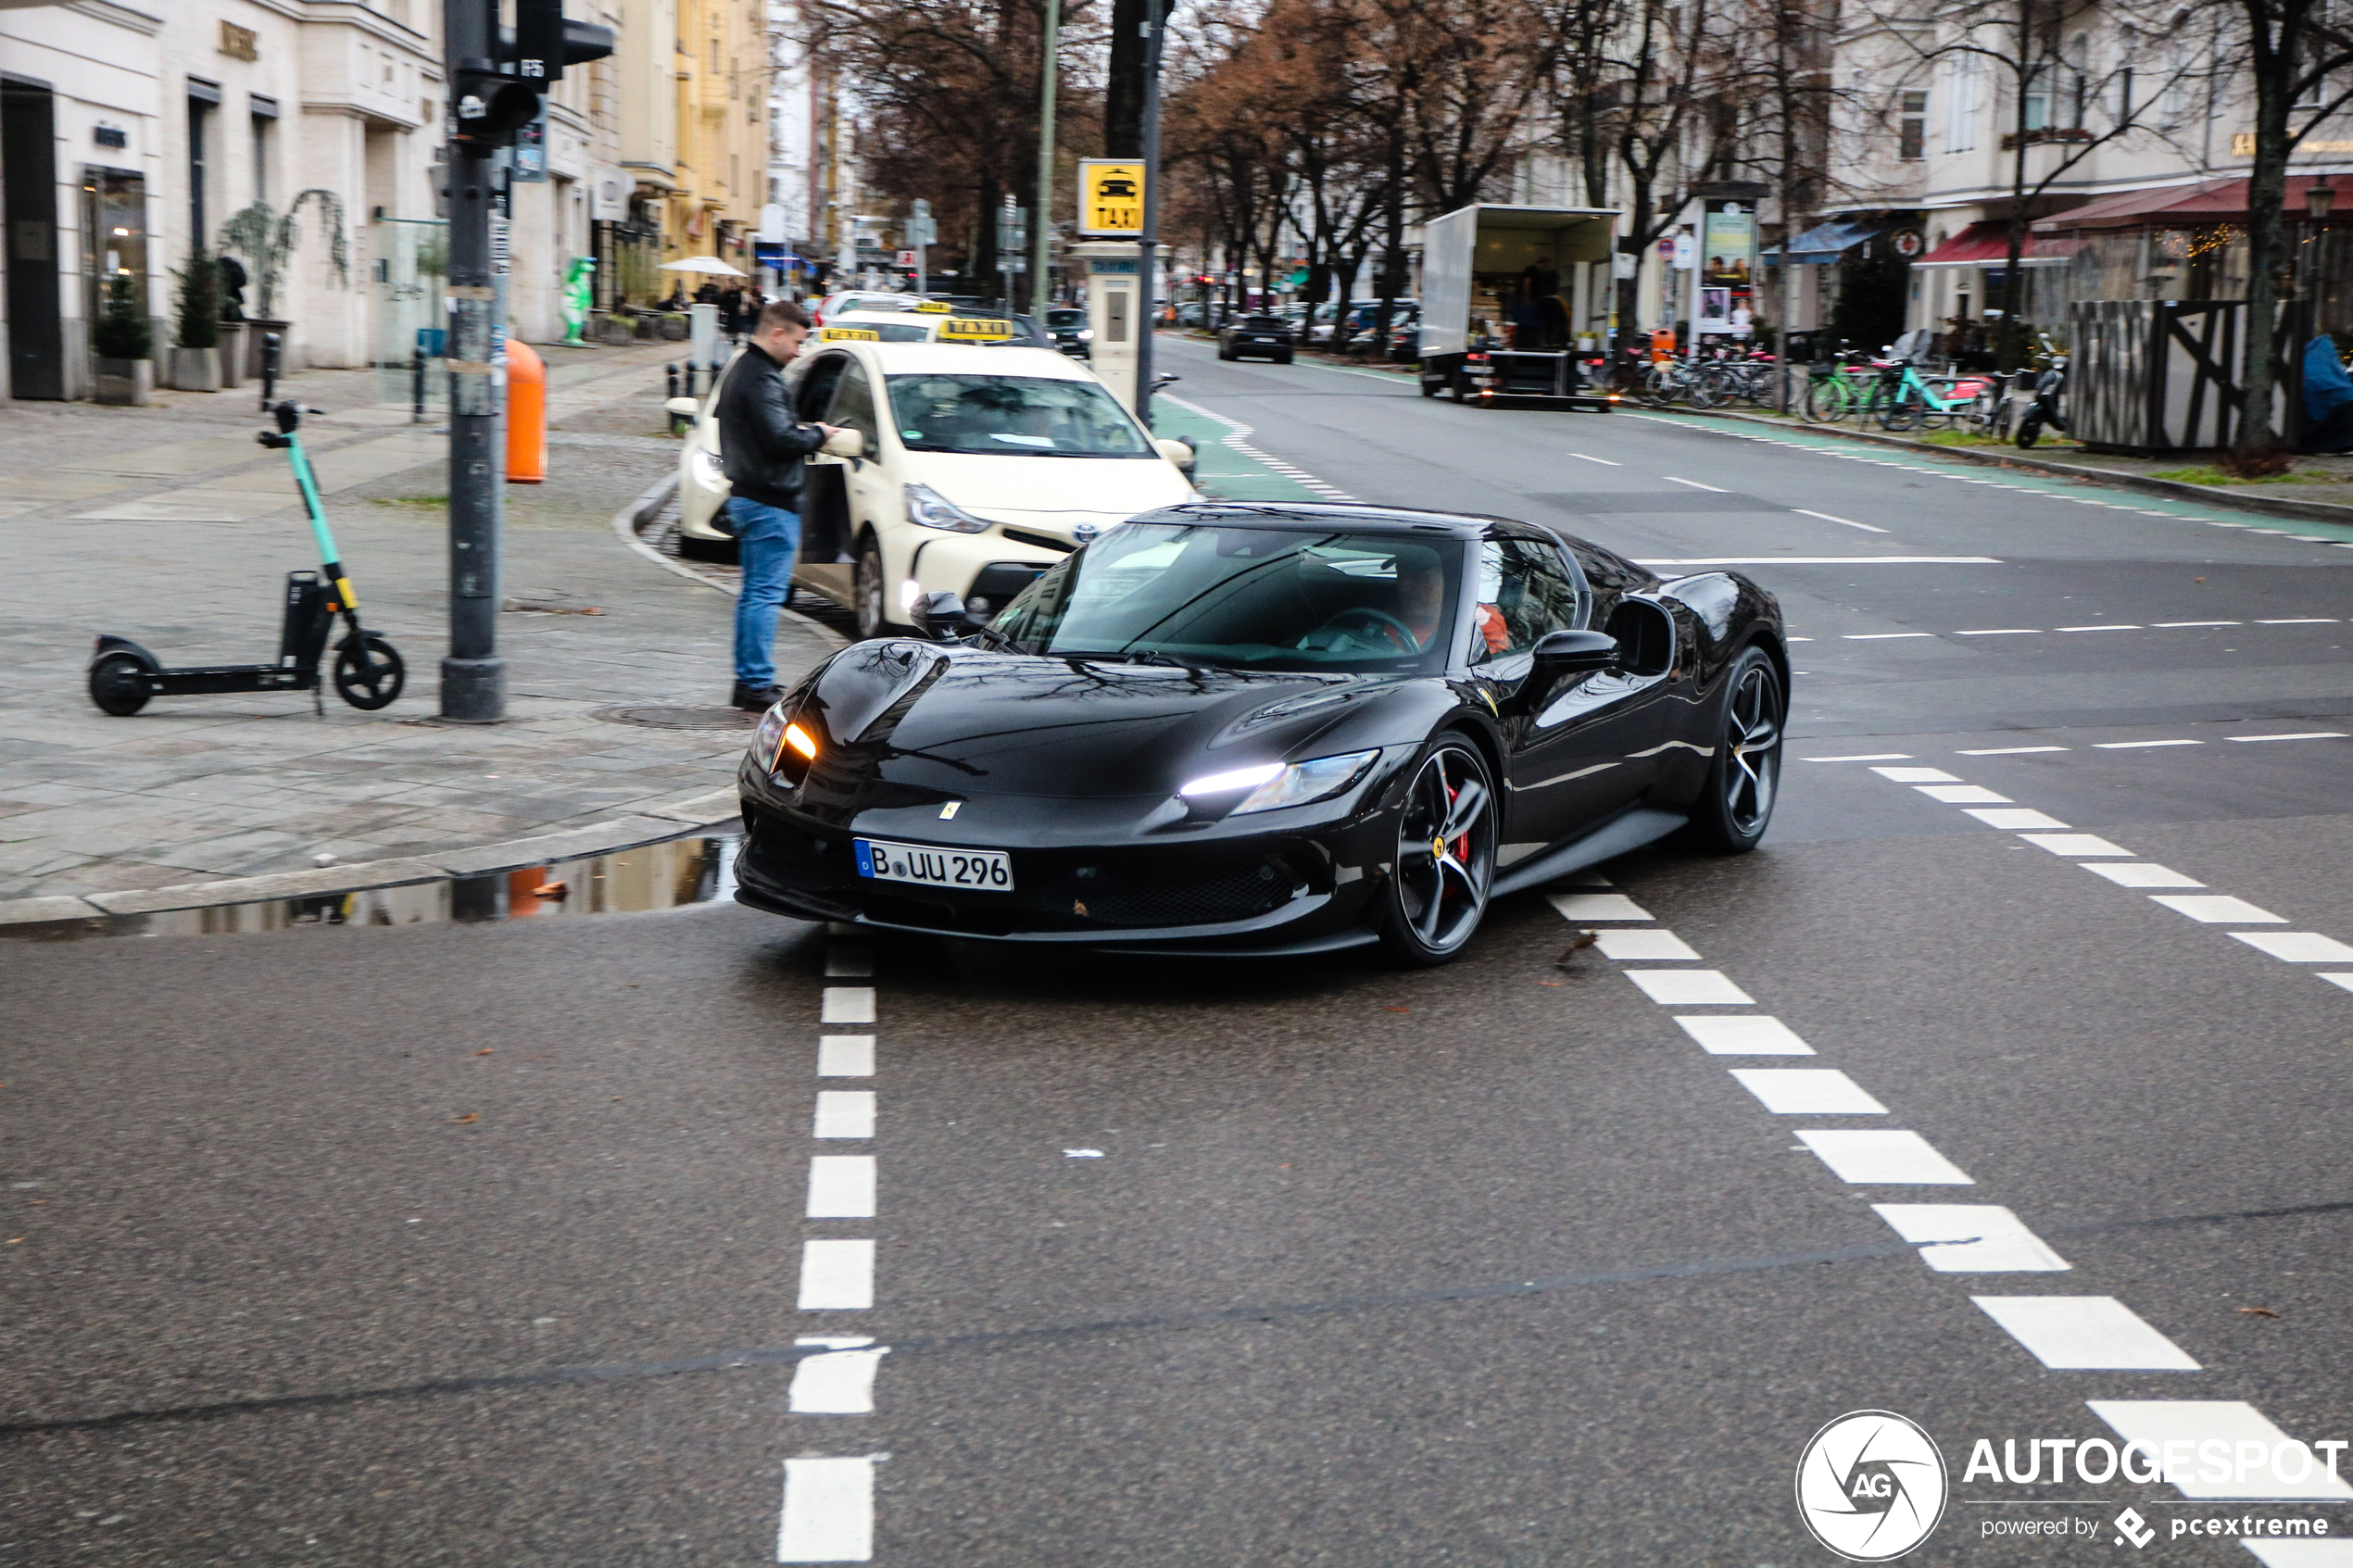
pixel 1580 653
pixel 939 616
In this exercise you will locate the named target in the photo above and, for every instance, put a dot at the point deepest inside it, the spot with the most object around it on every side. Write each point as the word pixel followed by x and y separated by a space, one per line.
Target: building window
pixel 1962 103
pixel 1911 130
pixel 199 126
pixel 263 124
pixel 2038 98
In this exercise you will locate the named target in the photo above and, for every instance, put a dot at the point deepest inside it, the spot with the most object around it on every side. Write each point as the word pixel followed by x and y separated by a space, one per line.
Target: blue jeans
pixel 768 537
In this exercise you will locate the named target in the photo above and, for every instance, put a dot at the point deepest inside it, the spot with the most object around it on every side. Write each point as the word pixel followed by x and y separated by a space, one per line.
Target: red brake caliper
pixel 1462 845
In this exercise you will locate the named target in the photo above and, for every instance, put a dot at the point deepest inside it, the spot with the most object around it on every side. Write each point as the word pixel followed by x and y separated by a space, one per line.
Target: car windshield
pixel 1263 323
pixel 1259 598
pixel 1020 416
pixel 1065 318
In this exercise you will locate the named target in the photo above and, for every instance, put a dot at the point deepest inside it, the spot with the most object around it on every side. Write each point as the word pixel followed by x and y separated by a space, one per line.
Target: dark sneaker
pixel 756 699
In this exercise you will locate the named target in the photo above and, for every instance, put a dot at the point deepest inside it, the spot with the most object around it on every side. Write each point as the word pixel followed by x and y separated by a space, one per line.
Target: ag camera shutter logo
pixel 1872 1485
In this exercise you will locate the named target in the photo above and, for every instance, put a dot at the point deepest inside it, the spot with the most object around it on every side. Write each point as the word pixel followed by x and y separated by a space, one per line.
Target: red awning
pixel 2184 206
pixel 1988 244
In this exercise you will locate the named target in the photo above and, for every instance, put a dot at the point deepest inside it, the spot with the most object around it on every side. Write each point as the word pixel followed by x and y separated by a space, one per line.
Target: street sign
pixel 907 259
pixel 1110 197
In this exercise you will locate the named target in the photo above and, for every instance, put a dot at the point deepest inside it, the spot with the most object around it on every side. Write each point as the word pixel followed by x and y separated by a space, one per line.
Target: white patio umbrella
pixel 703 264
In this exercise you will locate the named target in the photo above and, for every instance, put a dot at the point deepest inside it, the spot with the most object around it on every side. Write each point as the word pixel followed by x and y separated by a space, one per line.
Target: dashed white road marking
pixel 1882 1155
pixel 2298 947
pixel 1590 458
pixel 2014 819
pixel 2301 621
pixel 2074 844
pixel 2003 631
pixel 1597 906
pixel 1808 1091
pixel 844 1113
pixel 847 1004
pixel 1963 795
pixel 841 1186
pixel 2139 745
pixel 837 1276
pixel 2170 625
pixel 2140 873
pixel 838 1382
pixel 1647 945
pixel 1917 775
pixel 2085 1333
pixel 2217 908
pixel 1719 1034
pixel 2185 1424
pixel 845 1055
pixel 1688 988
pixel 1971 1239
pixel 1882 636
pixel 2008 750
pixel 1236 439
pixel 2307 735
pixel 1871 757
pixel 2345 981
pixel 1695 484
pixel 829 1510
pixel 2105 626
pixel 1847 520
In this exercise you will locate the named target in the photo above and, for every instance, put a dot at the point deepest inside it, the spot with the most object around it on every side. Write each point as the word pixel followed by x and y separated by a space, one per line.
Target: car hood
pixel 907 722
pixel 990 483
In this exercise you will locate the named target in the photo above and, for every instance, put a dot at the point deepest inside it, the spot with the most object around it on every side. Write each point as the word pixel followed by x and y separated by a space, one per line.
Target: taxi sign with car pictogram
pixel 1110 197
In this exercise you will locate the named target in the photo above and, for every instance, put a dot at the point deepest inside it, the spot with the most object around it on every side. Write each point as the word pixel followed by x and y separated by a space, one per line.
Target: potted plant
pixel 267 238
pixel 194 365
pixel 121 339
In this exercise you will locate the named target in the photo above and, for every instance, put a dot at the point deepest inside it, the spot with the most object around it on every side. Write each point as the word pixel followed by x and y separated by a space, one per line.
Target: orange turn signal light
pixel 801 741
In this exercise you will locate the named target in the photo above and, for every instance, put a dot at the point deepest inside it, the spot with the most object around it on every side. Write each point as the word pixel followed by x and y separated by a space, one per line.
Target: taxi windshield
pixel 1016 416
pixel 1258 598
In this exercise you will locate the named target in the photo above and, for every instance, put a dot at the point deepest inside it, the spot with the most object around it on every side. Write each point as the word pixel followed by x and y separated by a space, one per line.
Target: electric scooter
pixel 368 671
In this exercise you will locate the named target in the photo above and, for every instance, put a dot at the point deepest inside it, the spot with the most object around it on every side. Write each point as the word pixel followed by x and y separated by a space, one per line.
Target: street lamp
pixel 2320 199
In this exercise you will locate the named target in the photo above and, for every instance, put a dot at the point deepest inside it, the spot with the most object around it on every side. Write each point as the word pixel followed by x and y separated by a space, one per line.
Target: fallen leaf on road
pixel 1581 940
pixel 1396 1010
pixel 469 1116
pixel 2260 1311
pixel 1551 983
pixel 14 1239
pixel 485 1051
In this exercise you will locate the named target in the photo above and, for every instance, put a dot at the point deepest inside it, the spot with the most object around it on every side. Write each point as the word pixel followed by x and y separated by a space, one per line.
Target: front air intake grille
pixel 1043 541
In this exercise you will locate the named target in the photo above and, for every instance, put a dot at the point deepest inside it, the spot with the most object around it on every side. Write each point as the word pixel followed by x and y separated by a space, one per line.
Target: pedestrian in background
pixel 761 446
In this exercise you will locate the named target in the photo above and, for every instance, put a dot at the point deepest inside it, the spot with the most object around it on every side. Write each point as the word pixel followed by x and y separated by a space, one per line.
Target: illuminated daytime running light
pixel 1276 785
pixel 1227 784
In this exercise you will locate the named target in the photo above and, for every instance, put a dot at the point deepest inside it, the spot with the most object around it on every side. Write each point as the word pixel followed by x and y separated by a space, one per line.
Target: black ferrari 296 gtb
pixel 1228 728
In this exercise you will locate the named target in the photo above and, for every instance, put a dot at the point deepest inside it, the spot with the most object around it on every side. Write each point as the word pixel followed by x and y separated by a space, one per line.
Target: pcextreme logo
pixel 1872 1485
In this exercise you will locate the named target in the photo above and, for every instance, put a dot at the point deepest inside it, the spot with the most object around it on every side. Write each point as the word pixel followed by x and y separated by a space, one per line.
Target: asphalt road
pixel 490 1244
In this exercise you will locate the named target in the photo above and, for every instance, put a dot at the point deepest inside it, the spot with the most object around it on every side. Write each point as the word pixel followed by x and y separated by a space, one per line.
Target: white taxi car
pixel 973 472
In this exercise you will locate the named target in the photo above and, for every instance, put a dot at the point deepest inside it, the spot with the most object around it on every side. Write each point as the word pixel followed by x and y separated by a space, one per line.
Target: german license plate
pixel 980 871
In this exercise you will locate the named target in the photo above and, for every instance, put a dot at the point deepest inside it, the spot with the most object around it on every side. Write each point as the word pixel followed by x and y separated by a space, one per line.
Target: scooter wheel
pixel 369 674
pixel 118 685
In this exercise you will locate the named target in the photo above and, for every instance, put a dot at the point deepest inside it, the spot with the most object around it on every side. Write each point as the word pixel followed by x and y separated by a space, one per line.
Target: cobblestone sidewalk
pixel 167 525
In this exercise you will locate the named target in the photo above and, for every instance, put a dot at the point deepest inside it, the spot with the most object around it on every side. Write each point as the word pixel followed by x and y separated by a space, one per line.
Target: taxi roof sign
pixel 847 335
pixel 934 306
pixel 975 327
pixel 1110 197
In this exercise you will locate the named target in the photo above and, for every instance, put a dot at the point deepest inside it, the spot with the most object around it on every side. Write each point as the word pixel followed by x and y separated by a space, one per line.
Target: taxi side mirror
pixel 846 443
pixel 685 407
pixel 1179 452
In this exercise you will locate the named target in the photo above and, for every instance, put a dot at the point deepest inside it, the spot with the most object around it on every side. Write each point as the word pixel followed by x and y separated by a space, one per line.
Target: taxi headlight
pixel 708 470
pixel 1273 785
pixel 928 508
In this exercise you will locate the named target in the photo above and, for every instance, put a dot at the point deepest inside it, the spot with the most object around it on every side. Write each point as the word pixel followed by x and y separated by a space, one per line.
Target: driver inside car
pixel 1421 600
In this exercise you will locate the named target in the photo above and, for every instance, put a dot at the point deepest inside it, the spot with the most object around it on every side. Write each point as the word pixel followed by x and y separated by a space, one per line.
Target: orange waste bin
pixel 526 414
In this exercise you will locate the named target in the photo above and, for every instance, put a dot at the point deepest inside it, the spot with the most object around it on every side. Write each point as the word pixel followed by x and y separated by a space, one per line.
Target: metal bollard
pixel 270 343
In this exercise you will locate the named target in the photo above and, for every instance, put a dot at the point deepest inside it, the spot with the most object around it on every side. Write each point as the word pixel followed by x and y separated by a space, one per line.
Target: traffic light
pixel 497 99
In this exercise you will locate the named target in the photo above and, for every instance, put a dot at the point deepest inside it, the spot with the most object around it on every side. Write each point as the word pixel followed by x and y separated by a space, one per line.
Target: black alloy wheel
pixel 1744 779
pixel 872 596
pixel 1445 857
pixel 118 685
pixel 369 674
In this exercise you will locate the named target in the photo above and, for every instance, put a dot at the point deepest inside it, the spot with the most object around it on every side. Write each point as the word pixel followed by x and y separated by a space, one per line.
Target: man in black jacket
pixel 762 446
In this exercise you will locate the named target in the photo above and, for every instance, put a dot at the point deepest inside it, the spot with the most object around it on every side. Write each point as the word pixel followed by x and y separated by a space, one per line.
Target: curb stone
pixel 2169 489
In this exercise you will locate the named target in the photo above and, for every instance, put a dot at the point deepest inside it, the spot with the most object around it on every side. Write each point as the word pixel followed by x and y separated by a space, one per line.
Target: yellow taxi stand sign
pixel 1110 197
pixel 968 329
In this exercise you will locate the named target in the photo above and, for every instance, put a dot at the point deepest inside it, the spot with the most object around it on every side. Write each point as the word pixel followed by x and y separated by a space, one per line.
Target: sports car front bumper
pixel 1082 878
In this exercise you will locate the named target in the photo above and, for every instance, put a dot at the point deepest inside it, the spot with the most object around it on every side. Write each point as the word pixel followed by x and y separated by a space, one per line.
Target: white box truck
pixel 1504 291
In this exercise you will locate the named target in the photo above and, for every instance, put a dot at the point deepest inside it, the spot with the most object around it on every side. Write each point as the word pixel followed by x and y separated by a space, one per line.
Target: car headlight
pixel 928 508
pixel 709 471
pixel 1273 784
pixel 769 737
pixel 1086 334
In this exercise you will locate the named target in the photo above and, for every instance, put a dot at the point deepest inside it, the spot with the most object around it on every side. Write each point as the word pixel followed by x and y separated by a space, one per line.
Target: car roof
pixel 1377 520
pixel 957 358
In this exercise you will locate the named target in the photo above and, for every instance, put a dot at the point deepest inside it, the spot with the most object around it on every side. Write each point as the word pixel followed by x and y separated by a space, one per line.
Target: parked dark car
pixel 1067 326
pixel 1258 336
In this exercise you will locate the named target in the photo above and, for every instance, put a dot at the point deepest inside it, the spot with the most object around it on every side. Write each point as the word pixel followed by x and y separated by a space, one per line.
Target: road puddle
pixel 669 875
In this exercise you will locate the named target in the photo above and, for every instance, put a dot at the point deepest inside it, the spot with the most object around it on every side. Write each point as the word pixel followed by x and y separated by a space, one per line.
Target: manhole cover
pixel 679 718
